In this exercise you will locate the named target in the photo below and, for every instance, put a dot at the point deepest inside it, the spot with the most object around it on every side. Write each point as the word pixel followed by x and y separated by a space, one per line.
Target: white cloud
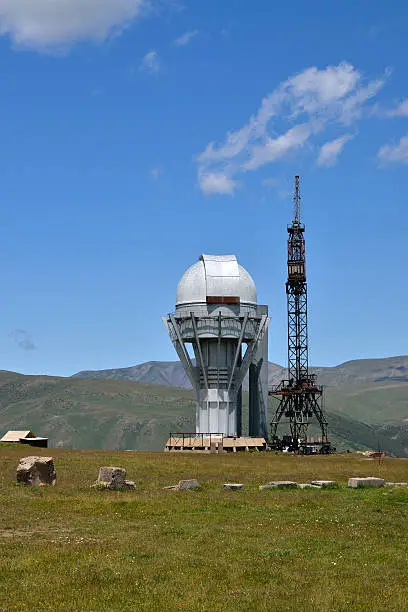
pixel 307 103
pixel 217 182
pixel 400 111
pixel 150 62
pixel 184 39
pixel 395 153
pixel 315 89
pixel 274 148
pixel 49 23
pixel 330 151
pixel 354 105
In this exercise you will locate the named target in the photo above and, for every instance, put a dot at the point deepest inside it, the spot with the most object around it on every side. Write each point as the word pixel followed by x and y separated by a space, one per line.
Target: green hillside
pixel 94 413
pixel 117 414
pixel 374 403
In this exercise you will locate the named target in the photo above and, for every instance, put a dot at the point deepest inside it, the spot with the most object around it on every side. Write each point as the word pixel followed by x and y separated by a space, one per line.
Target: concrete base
pixel 36 471
pixel 113 478
pixel 282 484
pixel 188 484
pixel 233 486
pixel 324 483
pixel 396 484
pixel 184 485
pixel 369 481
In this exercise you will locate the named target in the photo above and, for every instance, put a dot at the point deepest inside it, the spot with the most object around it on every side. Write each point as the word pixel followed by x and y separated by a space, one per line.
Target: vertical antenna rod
pixel 296 200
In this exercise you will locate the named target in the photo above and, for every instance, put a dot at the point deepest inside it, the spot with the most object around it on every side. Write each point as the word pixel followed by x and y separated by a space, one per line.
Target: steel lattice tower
pixel 299 396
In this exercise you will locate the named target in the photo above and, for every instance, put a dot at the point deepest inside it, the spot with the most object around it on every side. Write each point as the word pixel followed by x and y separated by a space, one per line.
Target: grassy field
pixel 74 548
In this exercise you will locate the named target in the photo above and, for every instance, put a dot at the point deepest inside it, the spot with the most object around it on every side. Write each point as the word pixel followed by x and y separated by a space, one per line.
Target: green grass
pixel 75 548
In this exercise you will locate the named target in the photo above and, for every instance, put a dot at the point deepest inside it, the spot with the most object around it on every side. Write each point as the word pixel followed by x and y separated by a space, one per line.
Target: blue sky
pixel 137 135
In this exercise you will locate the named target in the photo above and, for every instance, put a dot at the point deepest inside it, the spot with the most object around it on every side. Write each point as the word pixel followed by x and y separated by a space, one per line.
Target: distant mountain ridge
pixel 167 373
pixel 123 414
pixel 351 373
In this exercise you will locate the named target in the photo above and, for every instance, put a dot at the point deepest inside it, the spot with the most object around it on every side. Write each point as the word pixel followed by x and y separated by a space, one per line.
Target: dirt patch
pixel 24 533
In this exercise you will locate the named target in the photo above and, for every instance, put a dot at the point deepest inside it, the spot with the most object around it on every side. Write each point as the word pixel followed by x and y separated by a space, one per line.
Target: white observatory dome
pixel 216 276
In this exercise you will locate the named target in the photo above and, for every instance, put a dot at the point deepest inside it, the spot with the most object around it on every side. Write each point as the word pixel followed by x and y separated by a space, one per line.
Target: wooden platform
pixel 214 444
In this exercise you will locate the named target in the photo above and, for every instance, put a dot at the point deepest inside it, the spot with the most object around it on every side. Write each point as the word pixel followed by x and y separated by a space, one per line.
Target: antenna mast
pixel 300 395
pixel 296 200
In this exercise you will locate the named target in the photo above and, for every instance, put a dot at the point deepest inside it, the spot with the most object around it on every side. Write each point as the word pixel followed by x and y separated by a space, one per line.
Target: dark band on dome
pixel 222 299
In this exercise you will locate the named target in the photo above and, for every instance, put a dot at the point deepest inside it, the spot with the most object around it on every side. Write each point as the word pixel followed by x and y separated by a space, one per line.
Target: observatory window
pixel 222 299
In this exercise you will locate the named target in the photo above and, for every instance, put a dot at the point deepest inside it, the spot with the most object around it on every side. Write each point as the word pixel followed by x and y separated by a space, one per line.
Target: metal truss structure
pixel 225 347
pixel 299 396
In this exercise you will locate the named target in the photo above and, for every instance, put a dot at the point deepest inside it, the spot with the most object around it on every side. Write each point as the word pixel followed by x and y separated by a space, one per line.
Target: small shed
pixel 24 437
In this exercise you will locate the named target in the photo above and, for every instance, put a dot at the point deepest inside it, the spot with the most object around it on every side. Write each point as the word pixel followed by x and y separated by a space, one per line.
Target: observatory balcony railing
pixel 224 327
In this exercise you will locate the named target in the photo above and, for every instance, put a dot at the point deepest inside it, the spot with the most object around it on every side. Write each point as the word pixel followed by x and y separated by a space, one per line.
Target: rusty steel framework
pixel 299 396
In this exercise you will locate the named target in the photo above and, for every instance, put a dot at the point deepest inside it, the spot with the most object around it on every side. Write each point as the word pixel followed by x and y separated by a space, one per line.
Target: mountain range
pixel 350 373
pixel 135 408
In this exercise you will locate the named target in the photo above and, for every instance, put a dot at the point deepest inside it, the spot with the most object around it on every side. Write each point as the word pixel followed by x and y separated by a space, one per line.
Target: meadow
pixel 75 548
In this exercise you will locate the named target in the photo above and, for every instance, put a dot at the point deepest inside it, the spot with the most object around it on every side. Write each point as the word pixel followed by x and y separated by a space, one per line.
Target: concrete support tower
pixel 216 315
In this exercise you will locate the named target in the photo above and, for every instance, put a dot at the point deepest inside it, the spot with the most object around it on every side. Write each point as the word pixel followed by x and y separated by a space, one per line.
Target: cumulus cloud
pixel 273 148
pixel 217 182
pixel 150 62
pixel 22 339
pixel 395 153
pixel 49 23
pixel 184 39
pixel 330 151
pixel 295 112
pixel 399 111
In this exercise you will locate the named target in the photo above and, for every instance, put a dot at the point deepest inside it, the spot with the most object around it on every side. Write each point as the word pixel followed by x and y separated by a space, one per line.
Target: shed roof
pixel 15 436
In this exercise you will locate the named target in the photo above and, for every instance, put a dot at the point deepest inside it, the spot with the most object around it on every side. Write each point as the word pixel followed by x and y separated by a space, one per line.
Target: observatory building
pixel 220 334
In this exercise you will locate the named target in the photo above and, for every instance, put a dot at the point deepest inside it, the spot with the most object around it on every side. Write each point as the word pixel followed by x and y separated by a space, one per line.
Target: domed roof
pixel 216 276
